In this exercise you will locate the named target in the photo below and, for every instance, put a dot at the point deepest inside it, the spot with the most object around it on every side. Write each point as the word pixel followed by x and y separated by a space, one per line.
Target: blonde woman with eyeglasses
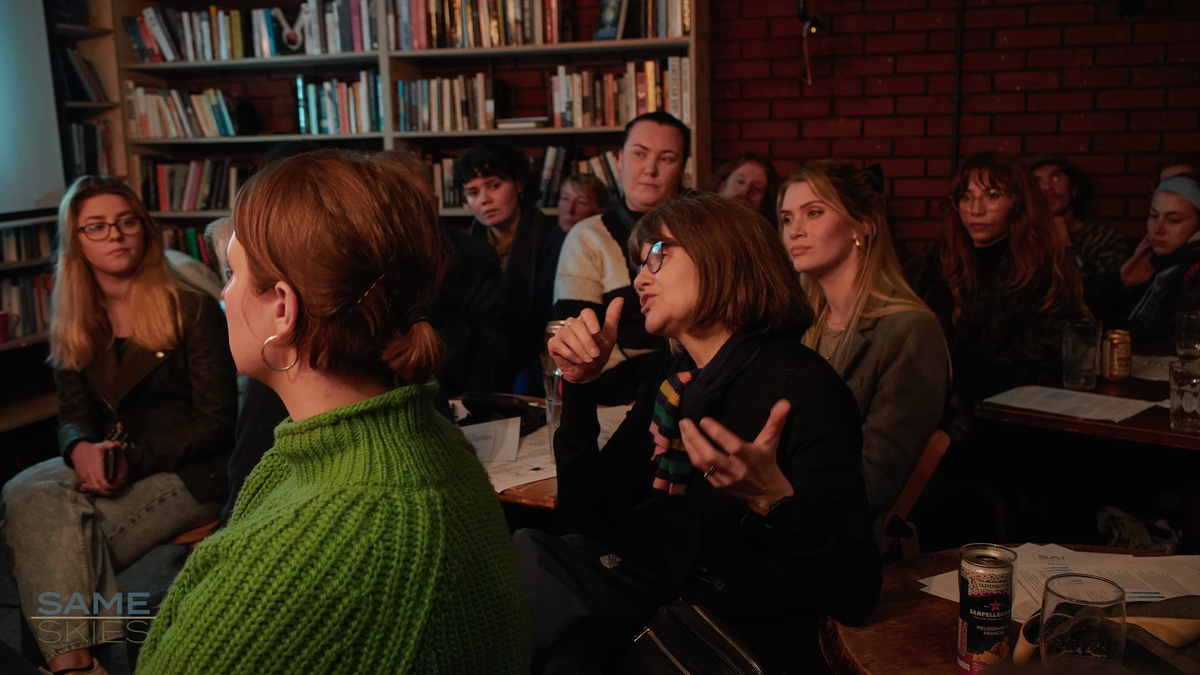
pixel 147 402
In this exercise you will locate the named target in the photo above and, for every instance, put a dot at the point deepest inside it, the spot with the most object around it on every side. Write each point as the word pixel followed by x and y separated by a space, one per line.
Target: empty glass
pixel 1081 354
pixel 553 416
pixel 1083 622
pixel 1187 335
pixel 1185 396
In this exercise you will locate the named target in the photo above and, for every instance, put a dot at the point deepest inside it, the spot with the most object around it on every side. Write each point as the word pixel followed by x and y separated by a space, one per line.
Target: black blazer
pixel 178 406
pixel 815 556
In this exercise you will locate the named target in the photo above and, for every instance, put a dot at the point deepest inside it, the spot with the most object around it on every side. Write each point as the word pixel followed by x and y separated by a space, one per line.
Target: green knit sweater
pixel 368 540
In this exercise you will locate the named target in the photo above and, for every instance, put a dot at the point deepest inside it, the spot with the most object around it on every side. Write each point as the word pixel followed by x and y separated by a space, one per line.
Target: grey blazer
pixel 899 370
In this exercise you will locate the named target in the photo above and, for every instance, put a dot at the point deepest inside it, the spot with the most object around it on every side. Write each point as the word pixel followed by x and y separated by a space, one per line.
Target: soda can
pixel 1116 354
pixel 985 592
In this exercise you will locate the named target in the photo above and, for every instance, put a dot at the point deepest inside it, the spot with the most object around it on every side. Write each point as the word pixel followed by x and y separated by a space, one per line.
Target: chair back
pixel 895 522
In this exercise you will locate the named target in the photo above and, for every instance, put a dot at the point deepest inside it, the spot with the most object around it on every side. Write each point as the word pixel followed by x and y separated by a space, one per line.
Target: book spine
pixel 314 126
pixel 651 92
pixel 160 34
pixel 685 87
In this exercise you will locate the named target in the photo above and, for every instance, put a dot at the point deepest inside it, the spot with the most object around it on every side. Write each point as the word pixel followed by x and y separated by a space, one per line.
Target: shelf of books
pixel 434 76
pixel 26 280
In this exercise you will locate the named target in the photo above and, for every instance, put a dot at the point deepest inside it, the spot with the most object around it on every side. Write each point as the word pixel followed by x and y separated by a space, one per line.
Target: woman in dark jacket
pixel 1000 282
pixel 735 482
pixel 146 403
pixel 1162 278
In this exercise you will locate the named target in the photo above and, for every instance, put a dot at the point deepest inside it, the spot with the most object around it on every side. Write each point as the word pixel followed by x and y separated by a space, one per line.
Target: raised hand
pixel 582 346
pixel 88 459
pixel 1138 270
pixel 746 470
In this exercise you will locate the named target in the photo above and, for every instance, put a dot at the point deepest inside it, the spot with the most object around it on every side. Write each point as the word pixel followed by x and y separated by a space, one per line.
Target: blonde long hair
pixel 79 326
pixel 879 285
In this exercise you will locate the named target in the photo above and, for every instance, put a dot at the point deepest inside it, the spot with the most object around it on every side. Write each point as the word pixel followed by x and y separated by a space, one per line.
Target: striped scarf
pixel 672 466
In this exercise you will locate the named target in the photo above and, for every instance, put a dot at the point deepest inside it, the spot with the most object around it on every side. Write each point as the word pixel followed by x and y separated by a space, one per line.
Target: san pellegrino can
pixel 985 594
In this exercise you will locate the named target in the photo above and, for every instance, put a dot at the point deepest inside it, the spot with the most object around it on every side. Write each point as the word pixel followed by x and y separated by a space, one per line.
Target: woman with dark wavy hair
pixel 1000 281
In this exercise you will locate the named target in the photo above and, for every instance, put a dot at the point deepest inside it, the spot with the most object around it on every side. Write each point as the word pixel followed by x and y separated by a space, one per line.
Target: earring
pixel 857 243
pixel 263 354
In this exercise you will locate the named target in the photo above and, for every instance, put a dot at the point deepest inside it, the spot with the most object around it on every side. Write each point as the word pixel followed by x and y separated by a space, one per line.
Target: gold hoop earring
pixel 263 354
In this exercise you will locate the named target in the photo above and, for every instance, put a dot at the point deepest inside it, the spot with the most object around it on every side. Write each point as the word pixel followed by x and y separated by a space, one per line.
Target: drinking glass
pixel 1081 354
pixel 1187 335
pixel 1185 396
pixel 553 417
pixel 1083 622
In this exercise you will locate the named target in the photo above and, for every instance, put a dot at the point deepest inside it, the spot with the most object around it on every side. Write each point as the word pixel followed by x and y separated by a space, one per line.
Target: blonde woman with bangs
pixel 870 325
pixel 147 402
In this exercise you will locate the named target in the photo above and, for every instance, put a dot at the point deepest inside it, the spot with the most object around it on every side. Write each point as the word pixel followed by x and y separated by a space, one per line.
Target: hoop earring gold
pixel 263 354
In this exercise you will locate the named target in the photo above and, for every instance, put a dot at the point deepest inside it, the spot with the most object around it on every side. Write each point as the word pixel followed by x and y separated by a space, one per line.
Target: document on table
pixel 1071 403
pixel 1157 368
pixel 495 441
pixel 534 461
pixel 1143 578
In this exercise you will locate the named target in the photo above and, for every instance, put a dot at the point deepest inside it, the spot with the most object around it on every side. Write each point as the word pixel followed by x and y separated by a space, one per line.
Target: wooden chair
pixel 897 530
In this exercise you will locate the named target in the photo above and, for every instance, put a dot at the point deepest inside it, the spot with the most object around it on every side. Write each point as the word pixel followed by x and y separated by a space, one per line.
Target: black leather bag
pixel 684 639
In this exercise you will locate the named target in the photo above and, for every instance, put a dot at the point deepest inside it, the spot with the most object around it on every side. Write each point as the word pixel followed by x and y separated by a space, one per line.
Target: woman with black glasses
pixel 735 482
pixel 147 400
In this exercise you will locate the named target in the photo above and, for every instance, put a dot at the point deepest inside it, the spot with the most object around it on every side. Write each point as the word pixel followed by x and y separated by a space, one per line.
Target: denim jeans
pixel 63 541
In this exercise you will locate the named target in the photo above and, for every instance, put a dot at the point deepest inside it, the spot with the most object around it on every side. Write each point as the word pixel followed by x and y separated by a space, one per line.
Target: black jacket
pixel 178 406
pixel 1148 311
pixel 468 313
pixel 818 555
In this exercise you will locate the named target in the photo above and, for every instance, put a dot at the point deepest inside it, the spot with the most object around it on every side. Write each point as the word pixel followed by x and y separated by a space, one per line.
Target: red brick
pixel 1092 121
pixel 992 61
pixel 1166 76
pixel 834 127
pixel 800 107
pixel 1060 58
pixel 909 208
pixel 727 9
pixel 1119 185
pixel 994 103
pixel 772 89
pixel 864 106
pixel 740 110
pixel 896 43
pixel 726 149
pixel 861 147
pixel 1105 207
pixel 727 51
pixel 1024 124
pixel 834 86
pixel 894 126
pixel 897 168
pixel 1131 55
pixel 989 18
pixel 1095 78
pixel 841 6
pixel 744 29
pixel 973 144
pixel 1028 37
pixel 919 187
pixel 1097 34
pixel 923 21
pixel 1175 31
pixel 769 8
pixel 1100 165
pixel 1173 120
pixel 937 167
pixel 1074 13
pixel 1130 142
pixel 895 84
pixel 921 147
pixel 943 41
pixel 725 90
pixel 722 131
pixel 1057 101
pixel 924 63
pixel 741 70
pixel 864 65
pixel 972 83
pixel 1184 98
pixel 800 148
pixel 787 27
pixel 875 21
pixel 921 229
pixel 770 49
pixel 924 105
pixel 1131 98
pixel 943 125
pixel 1183 53
pixel 890 5
pixel 831 45
pixel 796 68
pixel 1056 143
pixel 1025 81
pixel 1139 208
pixel 1142 165
pixel 1178 141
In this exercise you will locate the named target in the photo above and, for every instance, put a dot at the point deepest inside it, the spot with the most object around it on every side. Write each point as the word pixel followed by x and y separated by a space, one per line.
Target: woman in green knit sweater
pixel 368 540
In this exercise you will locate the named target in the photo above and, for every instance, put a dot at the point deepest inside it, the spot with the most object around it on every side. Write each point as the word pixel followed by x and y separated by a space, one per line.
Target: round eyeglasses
pixel 653 262
pixel 99 231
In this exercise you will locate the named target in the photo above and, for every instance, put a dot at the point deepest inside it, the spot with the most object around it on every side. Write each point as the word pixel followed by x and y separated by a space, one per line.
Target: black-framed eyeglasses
pixel 99 231
pixel 653 262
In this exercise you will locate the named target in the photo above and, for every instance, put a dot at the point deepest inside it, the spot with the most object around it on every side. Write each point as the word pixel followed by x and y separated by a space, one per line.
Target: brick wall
pixel 1039 76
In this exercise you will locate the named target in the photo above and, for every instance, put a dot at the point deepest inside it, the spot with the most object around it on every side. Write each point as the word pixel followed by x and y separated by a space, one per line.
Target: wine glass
pixel 1083 622
pixel 1187 334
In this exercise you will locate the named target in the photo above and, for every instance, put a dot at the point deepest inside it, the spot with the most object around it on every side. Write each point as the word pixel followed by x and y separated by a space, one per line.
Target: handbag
pixel 685 639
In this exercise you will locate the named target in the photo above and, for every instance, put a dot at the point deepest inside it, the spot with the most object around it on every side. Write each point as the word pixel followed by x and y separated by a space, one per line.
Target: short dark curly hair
pixel 503 160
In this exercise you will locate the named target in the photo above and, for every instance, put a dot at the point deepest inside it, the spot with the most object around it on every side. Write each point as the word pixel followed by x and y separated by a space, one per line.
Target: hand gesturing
pixel 582 346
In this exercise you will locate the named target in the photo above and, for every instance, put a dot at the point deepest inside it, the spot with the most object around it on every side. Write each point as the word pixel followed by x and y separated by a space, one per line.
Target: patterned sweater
pixel 368 540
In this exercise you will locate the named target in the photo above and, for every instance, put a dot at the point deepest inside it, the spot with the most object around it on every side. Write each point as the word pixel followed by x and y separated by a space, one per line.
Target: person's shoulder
pixel 908 321
pixel 588 228
pixel 470 247
pixel 589 234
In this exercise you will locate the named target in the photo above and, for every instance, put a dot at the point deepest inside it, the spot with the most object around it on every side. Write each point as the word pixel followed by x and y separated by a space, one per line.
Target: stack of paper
pixel 1071 403
pixel 1143 578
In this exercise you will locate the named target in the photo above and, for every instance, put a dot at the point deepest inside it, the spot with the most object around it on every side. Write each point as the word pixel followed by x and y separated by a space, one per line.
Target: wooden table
pixel 540 495
pixel 910 630
pixel 1149 426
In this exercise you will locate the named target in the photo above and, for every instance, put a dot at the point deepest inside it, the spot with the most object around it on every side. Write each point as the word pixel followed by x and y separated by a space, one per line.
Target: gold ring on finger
pixel 711 468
